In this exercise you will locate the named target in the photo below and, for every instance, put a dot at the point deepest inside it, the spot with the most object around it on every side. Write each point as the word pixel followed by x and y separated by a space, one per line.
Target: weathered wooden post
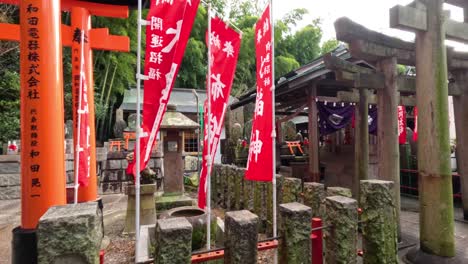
pixel 241 237
pixel 314 170
pixel 460 109
pixel 387 128
pixel 379 222
pixel 361 141
pixel 427 19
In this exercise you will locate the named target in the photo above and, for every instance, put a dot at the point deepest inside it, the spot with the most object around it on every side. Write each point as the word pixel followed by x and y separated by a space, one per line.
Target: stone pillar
pixel 223 186
pixel 240 237
pixel 147 207
pixel 295 246
pixel 379 227
pixel 173 241
pixel 341 237
pixel 248 195
pixel 339 191
pixel 291 190
pixel 314 194
pixel 238 176
pixel 70 234
pixel 231 196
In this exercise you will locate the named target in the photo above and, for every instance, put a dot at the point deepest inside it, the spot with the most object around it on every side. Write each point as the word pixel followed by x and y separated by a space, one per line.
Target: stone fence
pixel 231 191
pixel 172 238
pixel 10 178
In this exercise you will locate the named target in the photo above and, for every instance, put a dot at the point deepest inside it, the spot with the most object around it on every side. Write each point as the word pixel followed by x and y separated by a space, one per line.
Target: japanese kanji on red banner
pixel 415 133
pixel 401 124
pixel 170 23
pixel 225 45
pixel 260 161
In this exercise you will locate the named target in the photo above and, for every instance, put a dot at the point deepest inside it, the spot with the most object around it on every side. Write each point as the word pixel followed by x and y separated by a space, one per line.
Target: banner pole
pixel 78 125
pixel 273 132
pixel 137 135
pixel 209 161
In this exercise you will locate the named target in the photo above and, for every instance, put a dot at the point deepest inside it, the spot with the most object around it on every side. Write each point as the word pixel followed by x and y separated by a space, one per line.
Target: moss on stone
pixel 379 222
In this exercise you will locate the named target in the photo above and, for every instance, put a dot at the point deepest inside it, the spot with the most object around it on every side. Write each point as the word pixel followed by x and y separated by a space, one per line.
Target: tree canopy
pixel 114 72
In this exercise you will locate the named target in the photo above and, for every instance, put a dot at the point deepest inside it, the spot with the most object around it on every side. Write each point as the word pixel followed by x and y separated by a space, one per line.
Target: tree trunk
pixel 435 179
pixel 387 130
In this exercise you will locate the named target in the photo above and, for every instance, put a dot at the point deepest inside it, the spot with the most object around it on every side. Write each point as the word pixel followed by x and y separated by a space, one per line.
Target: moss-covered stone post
pixel 214 189
pixel 295 228
pixel 231 196
pixel 291 190
pixel 173 241
pixel 379 222
pixel 314 194
pixel 339 191
pixel 248 193
pixel 238 176
pixel 341 236
pixel 223 186
pixel 240 237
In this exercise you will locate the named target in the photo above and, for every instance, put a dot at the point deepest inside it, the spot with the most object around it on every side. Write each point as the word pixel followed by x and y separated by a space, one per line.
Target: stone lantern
pixel 173 126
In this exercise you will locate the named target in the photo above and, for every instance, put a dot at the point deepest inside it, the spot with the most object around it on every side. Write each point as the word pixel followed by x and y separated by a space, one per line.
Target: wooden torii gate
pixel 436 232
pixel 41 37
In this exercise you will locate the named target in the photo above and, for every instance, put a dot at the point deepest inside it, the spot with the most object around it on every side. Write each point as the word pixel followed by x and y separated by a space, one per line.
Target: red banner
pixel 225 45
pixel 81 117
pixel 415 133
pixel 170 23
pixel 401 124
pixel 260 161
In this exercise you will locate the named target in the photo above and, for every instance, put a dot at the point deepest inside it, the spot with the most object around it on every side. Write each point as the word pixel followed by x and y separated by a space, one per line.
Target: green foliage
pixel 9 106
pixel 284 65
pixel 329 45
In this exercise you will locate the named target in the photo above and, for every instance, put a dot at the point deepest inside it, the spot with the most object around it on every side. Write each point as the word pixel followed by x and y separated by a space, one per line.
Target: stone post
pixel 238 176
pixel 339 191
pixel 291 190
pixel 295 246
pixel 248 195
pixel 231 196
pixel 341 236
pixel 70 234
pixel 240 237
pixel 379 227
pixel 314 194
pixel 173 241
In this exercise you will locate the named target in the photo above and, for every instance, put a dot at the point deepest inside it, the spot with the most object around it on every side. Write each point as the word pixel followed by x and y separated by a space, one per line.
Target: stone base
pixel 169 202
pixel 417 256
pixel 24 246
pixel 70 234
pixel 147 207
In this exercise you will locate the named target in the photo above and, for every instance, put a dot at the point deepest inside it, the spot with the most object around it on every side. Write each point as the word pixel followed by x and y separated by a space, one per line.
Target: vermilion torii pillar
pixel 94 39
pixel 43 181
pixel 42 133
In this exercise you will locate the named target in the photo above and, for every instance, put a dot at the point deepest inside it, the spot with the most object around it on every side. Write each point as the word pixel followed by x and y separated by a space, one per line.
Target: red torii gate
pixel 42 159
